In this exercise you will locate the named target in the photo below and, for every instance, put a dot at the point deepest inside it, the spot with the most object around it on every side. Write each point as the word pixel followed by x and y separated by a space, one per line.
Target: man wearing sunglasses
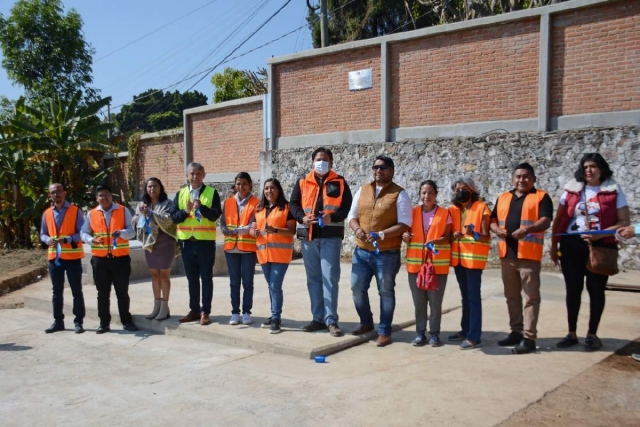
pixel 381 211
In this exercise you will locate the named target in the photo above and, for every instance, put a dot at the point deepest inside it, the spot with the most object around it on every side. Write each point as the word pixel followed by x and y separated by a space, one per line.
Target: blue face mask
pixel 321 167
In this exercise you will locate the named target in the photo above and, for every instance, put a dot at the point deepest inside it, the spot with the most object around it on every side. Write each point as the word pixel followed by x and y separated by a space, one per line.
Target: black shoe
pixel 458 336
pixel 129 327
pixel 266 323
pixel 567 342
pixel 102 329
pixel 514 338
pixel 592 343
pixel 55 327
pixel 275 326
pixel 78 328
pixel 525 346
pixel 314 326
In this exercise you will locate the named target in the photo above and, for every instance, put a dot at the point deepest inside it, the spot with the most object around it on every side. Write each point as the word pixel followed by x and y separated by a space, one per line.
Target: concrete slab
pixel 147 379
pixel 296 311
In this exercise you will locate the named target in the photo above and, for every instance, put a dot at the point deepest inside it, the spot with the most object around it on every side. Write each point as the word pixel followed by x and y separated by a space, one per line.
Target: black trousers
pixel 573 261
pixel 116 271
pixel 74 274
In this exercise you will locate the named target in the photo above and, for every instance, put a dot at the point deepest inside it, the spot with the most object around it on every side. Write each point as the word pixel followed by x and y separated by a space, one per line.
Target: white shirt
pixel 403 207
pixel 592 207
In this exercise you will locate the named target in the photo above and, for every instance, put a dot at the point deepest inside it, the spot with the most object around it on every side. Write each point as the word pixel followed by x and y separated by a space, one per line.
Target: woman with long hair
pixel 157 233
pixel 274 229
pixel 238 213
pixel 430 232
pixel 470 247
pixel 590 201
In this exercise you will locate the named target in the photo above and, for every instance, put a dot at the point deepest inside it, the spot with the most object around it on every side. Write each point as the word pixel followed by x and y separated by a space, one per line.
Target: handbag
pixel 603 261
pixel 427 277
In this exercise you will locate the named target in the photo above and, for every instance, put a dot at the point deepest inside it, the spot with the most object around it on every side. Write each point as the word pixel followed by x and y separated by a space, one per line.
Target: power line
pixel 154 31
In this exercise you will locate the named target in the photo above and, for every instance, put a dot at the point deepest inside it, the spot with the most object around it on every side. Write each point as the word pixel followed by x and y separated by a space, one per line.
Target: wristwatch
pixel 381 234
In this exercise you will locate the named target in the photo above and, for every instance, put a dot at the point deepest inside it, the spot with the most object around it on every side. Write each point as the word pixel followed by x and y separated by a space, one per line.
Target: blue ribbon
pixel 58 252
pixel 147 227
pixel 575 233
pixel 432 248
pixel 114 245
pixel 320 222
pixel 476 235
pixel 198 215
pixel 375 242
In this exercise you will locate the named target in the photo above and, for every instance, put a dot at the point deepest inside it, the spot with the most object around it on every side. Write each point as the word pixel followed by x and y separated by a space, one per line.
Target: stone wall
pixel 489 160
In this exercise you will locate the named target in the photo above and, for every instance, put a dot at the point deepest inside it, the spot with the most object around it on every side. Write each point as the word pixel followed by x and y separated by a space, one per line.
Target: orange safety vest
pixel 245 242
pixel 99 228
pixel 67 229
pixel 273 247
pixel 415 248
pixel 309 191
pixel 466 251
pixel 530 247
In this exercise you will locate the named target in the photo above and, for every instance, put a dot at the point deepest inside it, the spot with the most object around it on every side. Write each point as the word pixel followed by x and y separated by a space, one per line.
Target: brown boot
pixel 204 319
pixel 191 317
pixel 383 340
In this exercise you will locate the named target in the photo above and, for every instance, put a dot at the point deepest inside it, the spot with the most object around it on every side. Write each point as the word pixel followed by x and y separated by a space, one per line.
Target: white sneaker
pixel 246 319
pixel 235 319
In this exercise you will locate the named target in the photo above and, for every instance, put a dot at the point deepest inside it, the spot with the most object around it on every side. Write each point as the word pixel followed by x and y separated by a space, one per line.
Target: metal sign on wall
pixel 360 80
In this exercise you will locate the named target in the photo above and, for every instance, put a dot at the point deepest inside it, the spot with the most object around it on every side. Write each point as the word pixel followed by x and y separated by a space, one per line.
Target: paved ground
pixel 165 380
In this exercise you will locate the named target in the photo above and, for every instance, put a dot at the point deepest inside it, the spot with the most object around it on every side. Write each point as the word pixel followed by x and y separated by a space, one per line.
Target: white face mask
pixel 321 167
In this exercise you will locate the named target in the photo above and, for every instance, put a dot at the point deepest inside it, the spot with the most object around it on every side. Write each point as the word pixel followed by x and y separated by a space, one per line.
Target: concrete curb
pixel 22 277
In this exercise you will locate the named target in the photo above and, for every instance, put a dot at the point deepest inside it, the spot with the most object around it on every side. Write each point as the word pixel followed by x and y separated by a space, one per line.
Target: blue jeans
pixel 274 274
pixel 384 266
pixel 470 281
pixel 322 265
pixel 74 274
pixel 242 268
pixel 198 258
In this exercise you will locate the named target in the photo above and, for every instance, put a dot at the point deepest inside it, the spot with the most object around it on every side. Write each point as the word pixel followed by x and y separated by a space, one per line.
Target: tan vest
pixel 377 214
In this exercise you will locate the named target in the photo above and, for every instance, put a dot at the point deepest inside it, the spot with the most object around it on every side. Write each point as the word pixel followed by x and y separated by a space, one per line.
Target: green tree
pixel 45 51
pixel 155 110
pixel 363 19
pixel 236 84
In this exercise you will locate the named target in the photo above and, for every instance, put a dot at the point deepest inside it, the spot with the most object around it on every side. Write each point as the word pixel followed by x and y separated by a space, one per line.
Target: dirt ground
pixel 12 259
pixel 607 394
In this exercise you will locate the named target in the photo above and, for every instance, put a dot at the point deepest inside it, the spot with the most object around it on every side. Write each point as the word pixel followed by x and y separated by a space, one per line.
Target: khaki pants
pixel 518 276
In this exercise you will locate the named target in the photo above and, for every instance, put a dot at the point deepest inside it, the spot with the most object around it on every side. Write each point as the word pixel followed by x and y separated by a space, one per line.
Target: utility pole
pixel 109 120
pixel 324 26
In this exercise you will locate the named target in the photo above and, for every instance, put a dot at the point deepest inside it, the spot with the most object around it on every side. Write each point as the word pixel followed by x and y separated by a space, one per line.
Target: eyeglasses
pixel 381 167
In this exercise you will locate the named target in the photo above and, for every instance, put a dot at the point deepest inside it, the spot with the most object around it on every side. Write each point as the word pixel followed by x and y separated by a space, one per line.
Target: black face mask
pixel 462 196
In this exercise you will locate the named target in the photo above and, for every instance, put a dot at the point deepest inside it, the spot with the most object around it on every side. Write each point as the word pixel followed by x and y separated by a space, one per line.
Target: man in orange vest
pixel 60 231
pixel 380 213
pixel 517 216
pixel 320 202
pixel 108 230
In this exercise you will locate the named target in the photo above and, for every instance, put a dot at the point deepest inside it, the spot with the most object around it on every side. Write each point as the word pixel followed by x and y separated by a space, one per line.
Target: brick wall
pixel 483 74
pixel 228 140
pixel 596 59
pixel 117 179
pixel 312 96
pixel 163 158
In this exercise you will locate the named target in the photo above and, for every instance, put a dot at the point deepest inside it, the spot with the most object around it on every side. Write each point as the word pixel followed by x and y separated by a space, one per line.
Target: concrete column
pixel 544 71
pixel 188 140
pixel 270 143
pixel 385 93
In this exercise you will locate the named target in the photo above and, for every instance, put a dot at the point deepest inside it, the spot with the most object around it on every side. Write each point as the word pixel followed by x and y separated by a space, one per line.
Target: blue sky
pixel 174 52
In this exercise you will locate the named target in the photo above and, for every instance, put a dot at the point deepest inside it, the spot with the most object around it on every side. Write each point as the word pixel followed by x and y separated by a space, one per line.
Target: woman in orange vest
pixel 470 247
pixel 238 213
pixel 431 226
pixel 274 229
pixel 157 233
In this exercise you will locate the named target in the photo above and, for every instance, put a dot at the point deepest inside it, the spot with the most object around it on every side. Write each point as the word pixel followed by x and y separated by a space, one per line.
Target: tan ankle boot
pixel 156 309
pixel 164 310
